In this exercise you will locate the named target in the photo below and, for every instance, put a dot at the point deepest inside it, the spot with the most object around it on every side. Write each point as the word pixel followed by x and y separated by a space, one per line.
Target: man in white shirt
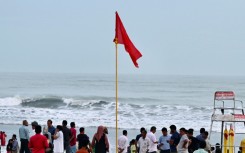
pixel 143 143
pixel 182 147
pixel 123 143
pixel 153 142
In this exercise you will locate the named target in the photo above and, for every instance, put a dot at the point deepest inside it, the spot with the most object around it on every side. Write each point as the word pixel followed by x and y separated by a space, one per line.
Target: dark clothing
pixel 80 139
pixel 152 152
pixel 100 146
pixel 51 130
pixel 176 138
pixel 67 135
pixel 138 137
pixel 24 146
pixel 165 151
pixel 193 145
pixel 9 147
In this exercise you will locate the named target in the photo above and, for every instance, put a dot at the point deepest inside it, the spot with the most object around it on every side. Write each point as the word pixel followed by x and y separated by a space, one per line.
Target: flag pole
pixel 116 96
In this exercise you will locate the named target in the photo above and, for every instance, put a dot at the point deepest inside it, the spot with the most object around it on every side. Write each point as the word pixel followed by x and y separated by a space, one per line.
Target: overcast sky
pixel 187 37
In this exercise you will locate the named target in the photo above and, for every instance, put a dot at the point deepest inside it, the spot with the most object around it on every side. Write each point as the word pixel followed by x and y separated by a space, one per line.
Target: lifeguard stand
pixel 226 110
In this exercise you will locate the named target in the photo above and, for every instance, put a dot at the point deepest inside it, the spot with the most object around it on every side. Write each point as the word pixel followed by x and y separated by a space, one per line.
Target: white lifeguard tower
pixel 228 112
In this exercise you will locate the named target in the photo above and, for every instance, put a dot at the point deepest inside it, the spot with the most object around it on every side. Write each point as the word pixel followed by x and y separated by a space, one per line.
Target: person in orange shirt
pixel 84 148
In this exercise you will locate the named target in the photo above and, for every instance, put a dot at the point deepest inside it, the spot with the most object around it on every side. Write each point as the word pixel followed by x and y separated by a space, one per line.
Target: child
pixel 133 146
pixel 9 146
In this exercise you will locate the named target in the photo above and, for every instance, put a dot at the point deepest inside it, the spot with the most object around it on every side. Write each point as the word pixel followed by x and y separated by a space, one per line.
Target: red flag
pixel 121 37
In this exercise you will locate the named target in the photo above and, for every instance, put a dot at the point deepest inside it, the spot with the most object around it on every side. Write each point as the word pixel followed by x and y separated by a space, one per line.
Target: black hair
pixel 59 127
pixel 84 142
pixel 72 124
pixel 81 129
pixel 125 132
pixel 202 130
pixel 50 121
pixel 46 135
pixel 153 128
pixel 132 141
pixel 142 129
pixel 190 131
pixel 173 127
pixel 64 123
pixel 182 129
pixel 164 129
pixel 206 133
pixel 38 129
pixel 202 144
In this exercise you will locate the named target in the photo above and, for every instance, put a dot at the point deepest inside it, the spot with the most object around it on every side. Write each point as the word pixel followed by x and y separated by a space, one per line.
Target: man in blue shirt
pixel 24 137
pixel 51 129
pixel 163 143
pixel 174 139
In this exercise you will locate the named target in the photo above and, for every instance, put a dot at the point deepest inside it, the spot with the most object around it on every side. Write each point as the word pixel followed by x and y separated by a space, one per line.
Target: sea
pixel 89 99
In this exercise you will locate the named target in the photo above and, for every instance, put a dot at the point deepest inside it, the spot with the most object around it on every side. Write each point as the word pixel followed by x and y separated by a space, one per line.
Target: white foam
pixel 10 101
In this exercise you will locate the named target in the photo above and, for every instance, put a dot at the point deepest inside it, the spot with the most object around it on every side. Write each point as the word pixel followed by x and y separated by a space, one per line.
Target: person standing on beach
pixel 24 137
pixel 208 146
pixel 143 143
pixel 73 139
pixel 153 143
pixel 193 145
pixel 100 141
pixel 163 142
pixel 51 129
pixel 106 133
pixel 58 140
pixel 182 147
pixel 33 126
pixel 200 136
pixel 175 138
pixel 83 148
pixel 67 136
pixel 138 136
pixel 15 147
pixel 123 142
pixel 3 138
pixel 38 143
pixel 202 145
pixel 81 139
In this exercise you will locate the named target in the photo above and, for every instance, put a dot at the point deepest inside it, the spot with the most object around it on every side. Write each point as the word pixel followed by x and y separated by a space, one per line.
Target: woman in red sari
pixel 3 139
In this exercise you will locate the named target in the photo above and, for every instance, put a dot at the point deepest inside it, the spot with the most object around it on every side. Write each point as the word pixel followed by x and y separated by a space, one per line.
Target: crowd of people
pixel 173 142
pixel 62 139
